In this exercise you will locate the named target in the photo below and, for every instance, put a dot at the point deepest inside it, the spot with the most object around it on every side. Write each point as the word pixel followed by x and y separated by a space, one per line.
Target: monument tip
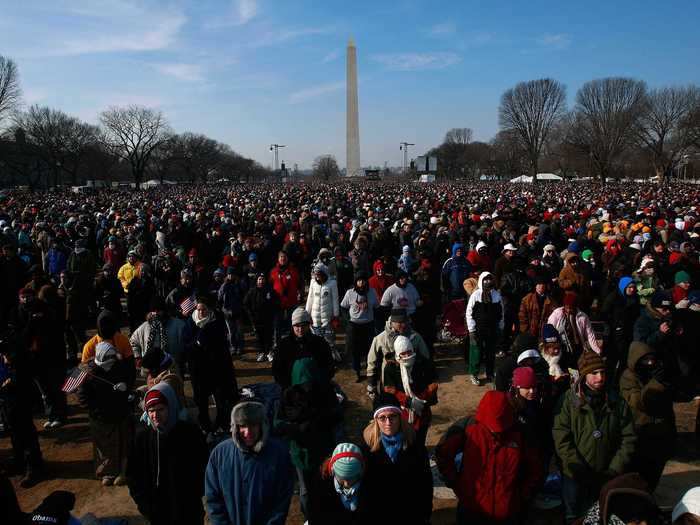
pixel 351 42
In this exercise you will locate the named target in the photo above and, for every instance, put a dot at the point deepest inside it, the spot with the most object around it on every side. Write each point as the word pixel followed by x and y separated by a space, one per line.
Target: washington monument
pixel 352 161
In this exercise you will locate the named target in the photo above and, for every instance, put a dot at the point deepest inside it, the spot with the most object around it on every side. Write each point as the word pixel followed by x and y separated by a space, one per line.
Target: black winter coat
pixel 207 351
pixel 103 402
pixel 165 474
pixel 325 506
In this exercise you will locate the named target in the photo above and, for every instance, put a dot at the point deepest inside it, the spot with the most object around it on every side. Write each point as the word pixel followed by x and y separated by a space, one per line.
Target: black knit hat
pixel 385 400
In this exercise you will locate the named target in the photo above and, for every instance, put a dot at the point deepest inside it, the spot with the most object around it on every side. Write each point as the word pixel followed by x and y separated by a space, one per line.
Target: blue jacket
pixel 454 272
pixel 243 488
pixel 56 262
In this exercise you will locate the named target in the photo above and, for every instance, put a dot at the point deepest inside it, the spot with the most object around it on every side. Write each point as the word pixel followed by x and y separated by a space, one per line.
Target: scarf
pixel 350 497
pixel 201 323
pixel 406 366
pixel 392 445
pixel 157 329
pixel 555 369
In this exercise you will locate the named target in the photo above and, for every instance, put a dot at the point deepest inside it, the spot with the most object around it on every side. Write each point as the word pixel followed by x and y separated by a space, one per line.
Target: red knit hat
pixel 154 397
pixel 524 377
pixel 570 299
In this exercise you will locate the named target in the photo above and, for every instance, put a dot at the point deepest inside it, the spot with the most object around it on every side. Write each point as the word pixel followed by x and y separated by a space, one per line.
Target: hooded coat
pixel 323 303
pixel 383 346
pixel 166 466
pixel 454 272
pixel 249 486
pixel 379 284
pixel 499 472
pixel 484 318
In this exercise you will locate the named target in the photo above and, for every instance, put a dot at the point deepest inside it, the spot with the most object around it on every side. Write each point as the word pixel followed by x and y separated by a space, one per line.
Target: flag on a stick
pixel 76 378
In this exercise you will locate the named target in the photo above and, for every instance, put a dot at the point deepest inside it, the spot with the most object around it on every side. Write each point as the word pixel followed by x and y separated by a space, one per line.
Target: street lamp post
pixel 275 148
pixel 404 147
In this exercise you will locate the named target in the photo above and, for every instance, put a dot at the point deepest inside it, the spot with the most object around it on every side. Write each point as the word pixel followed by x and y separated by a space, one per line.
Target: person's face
pixel 186 281
pixel 487 282
pixel 528 393
pixel 540 288
pixel 320 277
pixel 260 282
pixel 551 349
pixel 346 483
pixel 659 248
pixel 665 311
pixel 574 263
pixel 596 380
pixel 300 329
pixel 249 434
pixel 389 422
pixel 26 299
pixel 361 283
pixel 219 278
pixel 158 414
pixel 112 246
pixel 282 259
pixel 399 326
pixel 131 259
pixel 549 253
pixel 631 290
pixel 403 280
pixel 649 270
pixel 508 254
pixel 458 253
pixel 380 271
pixel 684 285
pixel 202 310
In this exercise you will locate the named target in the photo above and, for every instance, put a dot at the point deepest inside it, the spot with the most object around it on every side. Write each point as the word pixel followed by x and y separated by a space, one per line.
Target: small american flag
pixel 74 380
pixel 187 306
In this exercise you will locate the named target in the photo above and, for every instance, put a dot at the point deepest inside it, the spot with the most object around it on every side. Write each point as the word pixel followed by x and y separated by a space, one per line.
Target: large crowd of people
pixel 576 308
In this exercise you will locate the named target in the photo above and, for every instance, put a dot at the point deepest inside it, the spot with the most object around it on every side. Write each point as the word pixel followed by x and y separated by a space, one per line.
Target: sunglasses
pixel 389 417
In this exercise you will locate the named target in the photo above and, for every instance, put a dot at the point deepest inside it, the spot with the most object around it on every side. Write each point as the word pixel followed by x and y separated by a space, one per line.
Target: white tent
pixel 150 183
pixel 540 176
pixel 522 178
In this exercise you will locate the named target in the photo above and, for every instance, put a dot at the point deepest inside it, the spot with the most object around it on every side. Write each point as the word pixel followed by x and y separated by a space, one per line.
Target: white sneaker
pixel 47 425
pixel 336 355
pixel 56 424
pixel 261 357
pixel 271 357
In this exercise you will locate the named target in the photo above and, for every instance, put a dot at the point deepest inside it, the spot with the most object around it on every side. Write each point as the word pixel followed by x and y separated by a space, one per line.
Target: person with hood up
pixel 687 510
pixel 681 287
pixel 379 282
pixel 401 294
pixel 479 258
pixel 647 279
pixel 655 326
pixel 550 350
pixel 411 378
pixel 455 270
pixel 129 270
pixel 484 316
pixel 105 393
pixel 397 467
pixel 550 263
pixel 262 305
pixel 406 262
pixel 210 365
pixel 339 493
pixel 360 302
pixel 323 306
pixel 230 300
pixel 622 308
pixel 624 500
pixel 575 329
pixel 593 434
pixel 646 389
pixel 382 349
pixel 497 473
pixel 286 281
pixel 167 462
pixel 249 479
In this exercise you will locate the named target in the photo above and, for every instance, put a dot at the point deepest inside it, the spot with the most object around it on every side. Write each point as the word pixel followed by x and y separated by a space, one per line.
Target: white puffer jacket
pixel 322 302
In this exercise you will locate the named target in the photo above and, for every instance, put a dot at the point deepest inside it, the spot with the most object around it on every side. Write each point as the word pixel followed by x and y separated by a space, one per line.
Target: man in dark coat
pixel 167 462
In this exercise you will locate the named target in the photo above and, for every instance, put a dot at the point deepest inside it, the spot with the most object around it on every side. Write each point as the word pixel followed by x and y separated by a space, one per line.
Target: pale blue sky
pixel 252 72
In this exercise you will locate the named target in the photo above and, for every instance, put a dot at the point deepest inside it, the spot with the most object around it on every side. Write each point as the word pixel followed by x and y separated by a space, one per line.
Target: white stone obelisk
pixel 352 161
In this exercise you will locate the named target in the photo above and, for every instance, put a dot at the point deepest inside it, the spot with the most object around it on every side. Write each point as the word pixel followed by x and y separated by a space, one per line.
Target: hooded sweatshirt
pixel 455 271
pixel 322 301
pixel 484 309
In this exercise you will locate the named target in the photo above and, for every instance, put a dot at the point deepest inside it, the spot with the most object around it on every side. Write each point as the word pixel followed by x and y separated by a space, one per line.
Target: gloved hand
pixel 335 323
pixel 417 405
pixel 371 392
pixel 120 387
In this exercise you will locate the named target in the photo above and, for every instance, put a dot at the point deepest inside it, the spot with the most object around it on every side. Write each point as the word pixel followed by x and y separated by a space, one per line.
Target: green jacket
pixel 586 440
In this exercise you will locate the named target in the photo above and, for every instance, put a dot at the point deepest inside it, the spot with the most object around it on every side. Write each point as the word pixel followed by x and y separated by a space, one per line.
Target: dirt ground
pixel 68 450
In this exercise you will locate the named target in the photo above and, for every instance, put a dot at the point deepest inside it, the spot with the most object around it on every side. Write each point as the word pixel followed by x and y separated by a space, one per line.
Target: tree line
pixel 616 127
pixel 42 146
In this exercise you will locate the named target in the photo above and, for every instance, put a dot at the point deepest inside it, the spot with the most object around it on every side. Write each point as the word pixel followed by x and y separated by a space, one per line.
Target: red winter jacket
pixel 500 473
pixel 379 284
pixel 286 283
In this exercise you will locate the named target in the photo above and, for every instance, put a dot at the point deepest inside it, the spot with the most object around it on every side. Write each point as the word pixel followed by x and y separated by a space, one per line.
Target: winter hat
pixel 347 461
pixel 154 397
pixel 230 270
pixel 661 299
pixel 587 255
pixel 636 246
pixel 689 504
pixel 321 268
pixel 681 277
pixel 524 377
pixel 550 334
pixel 105 355
pixel 570 299
pixel 219 271
pixel 247 413
pixel 386 402
pixel 398 315
pixel 624 283
pixel 402 344
pixel 528 354
pixel 550 248
pixel 300 316
pixel 509 248
pixel 589 362
pixel 406 250
pixel 253 257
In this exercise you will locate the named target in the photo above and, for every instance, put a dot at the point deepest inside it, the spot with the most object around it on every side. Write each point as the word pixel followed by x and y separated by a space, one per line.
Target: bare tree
pixel 605 117
pixel 10 92
pixel 325 167
pixel 61 140
pixel 665 128
pixel 459 136
pixel 134 133
pixel 509 156
pixel 199 155
pixel 530 109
